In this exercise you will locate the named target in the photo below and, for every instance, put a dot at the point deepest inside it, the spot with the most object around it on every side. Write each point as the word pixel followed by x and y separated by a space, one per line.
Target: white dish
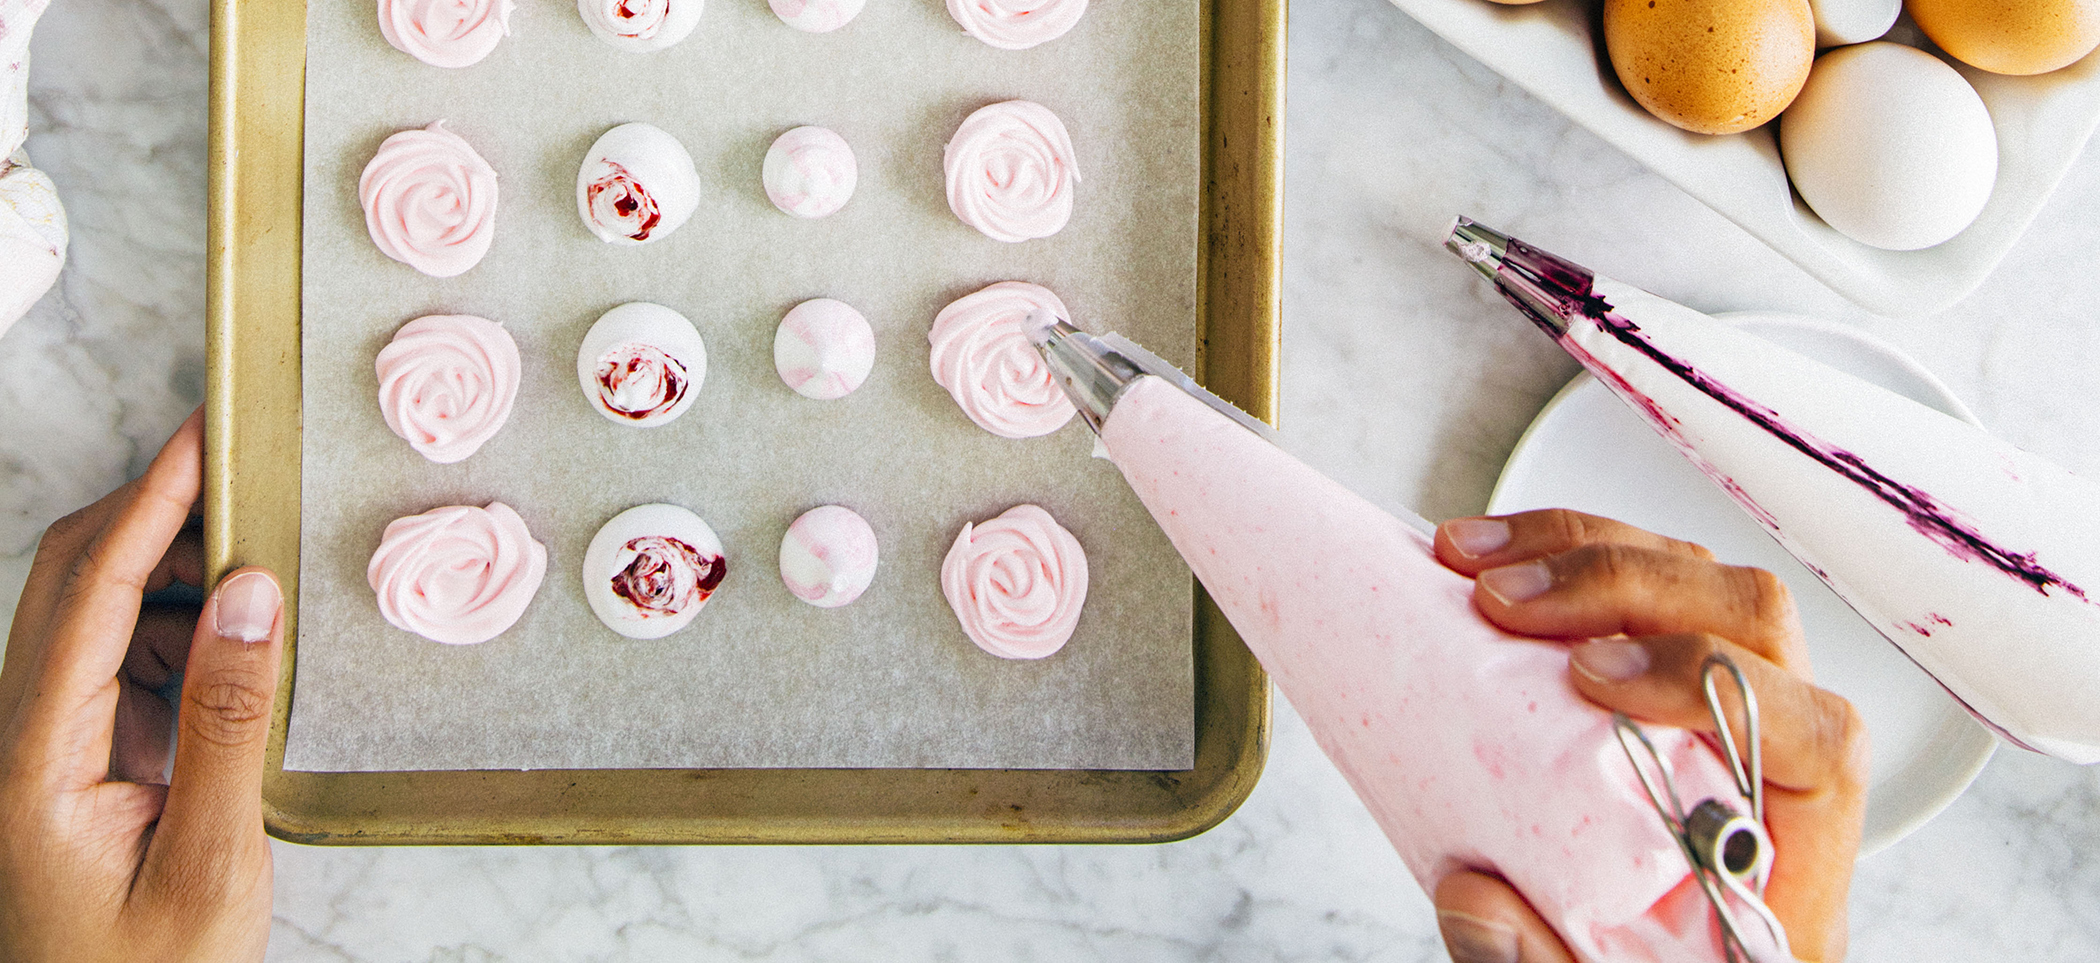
pixel 1586 451
pixel 2042 124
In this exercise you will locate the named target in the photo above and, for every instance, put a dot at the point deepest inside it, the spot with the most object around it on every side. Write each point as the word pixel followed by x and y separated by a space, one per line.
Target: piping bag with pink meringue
pixel 1469 745
pixel 1981 562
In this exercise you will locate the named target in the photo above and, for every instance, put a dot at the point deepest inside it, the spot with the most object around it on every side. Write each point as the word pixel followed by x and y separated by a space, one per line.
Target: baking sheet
pixel 759 679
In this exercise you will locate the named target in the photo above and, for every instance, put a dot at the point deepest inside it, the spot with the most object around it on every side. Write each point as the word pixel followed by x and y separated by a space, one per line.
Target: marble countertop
pixel 1402 376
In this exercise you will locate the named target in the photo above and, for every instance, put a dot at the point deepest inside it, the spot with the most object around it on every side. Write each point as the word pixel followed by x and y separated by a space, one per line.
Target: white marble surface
pixel 1402 376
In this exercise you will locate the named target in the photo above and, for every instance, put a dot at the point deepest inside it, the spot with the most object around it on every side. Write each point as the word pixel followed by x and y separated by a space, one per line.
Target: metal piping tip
pixel 1092 373
pixel 1477 244
pixel 1552 291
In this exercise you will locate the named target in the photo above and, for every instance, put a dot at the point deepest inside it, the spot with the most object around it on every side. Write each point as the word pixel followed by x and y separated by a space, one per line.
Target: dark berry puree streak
pixel 1572 289
pixel 667 576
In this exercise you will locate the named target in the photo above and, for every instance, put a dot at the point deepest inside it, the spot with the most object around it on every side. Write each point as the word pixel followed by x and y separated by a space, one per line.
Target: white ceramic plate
pixel 1586 451
pixel 2042 122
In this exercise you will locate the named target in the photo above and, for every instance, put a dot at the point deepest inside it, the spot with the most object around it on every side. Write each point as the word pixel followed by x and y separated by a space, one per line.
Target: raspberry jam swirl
pixel 640 381
pixel 662 576
pixel 459 574
pixel 446 384
pixel 982 356
pixel 1016 583
pixel 620 205
pixel 1016 24
pixel 1011 171
pixel 430 201
pixel 445 33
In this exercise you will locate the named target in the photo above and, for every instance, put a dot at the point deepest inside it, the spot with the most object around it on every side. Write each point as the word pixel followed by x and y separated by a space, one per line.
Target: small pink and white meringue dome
pixel 1011 171
pixel 1016 24
pixel 640 26
pixel 430 201
pixel 445 33
pixel 637 184
pixel 650 569
pixel 641 364
pixel 1016 583
pixel 446 384
pixel 816 16
pixel 810 172
pixel 824 349
pixel 828 556
pixel 459 575
pixel 982 356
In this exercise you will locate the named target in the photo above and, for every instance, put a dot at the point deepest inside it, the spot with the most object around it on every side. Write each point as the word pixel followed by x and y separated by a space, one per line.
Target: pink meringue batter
pixel 1016 583
pixel 430 201
pixel 1011 170
pixel 459 574
pixel 982 356
pixel 1016 24
pixel 445 33
pixel 446 384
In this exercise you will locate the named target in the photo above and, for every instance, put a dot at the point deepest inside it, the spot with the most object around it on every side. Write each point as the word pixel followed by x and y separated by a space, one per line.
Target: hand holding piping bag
pixel 1643 612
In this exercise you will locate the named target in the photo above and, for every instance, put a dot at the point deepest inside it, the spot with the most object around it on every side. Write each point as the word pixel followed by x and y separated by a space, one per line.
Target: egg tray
pixel 253 498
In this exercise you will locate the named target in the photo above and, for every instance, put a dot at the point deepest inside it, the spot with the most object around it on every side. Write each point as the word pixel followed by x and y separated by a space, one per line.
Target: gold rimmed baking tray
pixel 252 505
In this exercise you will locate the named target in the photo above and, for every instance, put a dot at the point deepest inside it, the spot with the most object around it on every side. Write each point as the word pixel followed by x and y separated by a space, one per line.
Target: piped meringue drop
pixel 816 16
pixel 1016 583
pixel 824 349
pixel 810 172
pixel 445 33
pixel 650 569
pixel 1011 171
pixel 640 26
pixel 446 384
pixel 1016 24
pixel 430 201
pixel 641 364
pixel 828 556
pixel 637 184
pixel 459 575
pixel 982 356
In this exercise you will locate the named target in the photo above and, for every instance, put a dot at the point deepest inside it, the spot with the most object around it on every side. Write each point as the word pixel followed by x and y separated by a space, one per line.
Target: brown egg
pixel 1711 66
pixel 2018 37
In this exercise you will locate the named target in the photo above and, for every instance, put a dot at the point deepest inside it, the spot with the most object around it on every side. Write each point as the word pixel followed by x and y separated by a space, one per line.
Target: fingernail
pixel 1511 584
pixel 1470 939
pixel 1610 660
pixel 1474 537
pixel 248 605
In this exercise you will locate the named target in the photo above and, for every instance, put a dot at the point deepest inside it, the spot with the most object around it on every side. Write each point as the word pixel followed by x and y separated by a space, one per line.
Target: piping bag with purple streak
pixel 1469 745
pixel 1978 560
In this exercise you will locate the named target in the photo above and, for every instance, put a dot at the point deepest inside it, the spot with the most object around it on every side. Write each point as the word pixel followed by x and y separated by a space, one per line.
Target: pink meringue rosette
pixel 1016 24
pixel 1016 583
pixel 1010 171
pixel 982 356
pixel 446 384
pixel 430 201
pixel 459 575
pixel 445 33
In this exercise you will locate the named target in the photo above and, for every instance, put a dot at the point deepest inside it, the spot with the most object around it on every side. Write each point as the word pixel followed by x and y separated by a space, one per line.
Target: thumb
pixel 214 805
pixel 1485 920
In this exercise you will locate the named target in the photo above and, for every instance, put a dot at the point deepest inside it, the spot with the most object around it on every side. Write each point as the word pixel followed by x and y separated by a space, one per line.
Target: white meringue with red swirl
pixel 430 201
pixel 824 349
pixel 637 184
pixel 650 569
pixel 828 556
pixel 459 574
pixel 641 364
pixel 982 356
pixel 1016 583
pixel 810 172
pixel 816 16
pixel 640 26
pixel 1016 24
pixel 445 33
pixel 1011 171
pixel 446 384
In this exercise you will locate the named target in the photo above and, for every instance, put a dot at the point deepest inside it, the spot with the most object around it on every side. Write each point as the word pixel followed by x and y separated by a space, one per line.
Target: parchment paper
pixel 759 679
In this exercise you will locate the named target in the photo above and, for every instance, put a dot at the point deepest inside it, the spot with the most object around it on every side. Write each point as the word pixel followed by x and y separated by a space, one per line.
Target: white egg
pixel 1840 22
pixel 650 570
pixel 1890 146
pixel 641 364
